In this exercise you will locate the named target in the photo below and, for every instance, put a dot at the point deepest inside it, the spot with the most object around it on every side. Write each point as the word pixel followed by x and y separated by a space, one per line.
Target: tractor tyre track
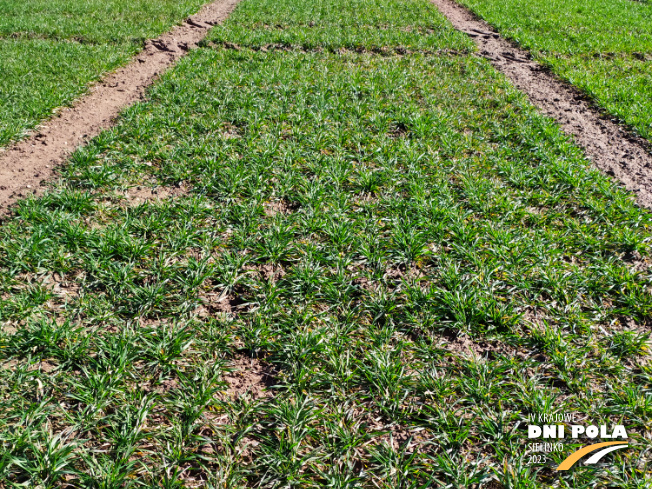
pixel 25 165
pixel 610 147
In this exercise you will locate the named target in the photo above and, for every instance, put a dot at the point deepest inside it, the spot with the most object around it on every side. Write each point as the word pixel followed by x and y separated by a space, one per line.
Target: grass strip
pixel 356 25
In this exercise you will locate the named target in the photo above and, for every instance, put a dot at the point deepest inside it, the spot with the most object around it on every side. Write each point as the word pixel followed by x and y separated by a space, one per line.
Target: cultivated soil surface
pixel 363 260
pixel 609 146
pixel 26 164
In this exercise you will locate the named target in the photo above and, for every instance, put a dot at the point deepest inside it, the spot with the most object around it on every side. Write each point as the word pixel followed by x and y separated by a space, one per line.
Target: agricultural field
pixel 602 47
pixel 333 248
pixel 51 50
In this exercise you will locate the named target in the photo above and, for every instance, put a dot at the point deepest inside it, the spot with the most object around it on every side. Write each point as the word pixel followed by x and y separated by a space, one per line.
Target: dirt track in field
pixel 24 165
pixel 607 144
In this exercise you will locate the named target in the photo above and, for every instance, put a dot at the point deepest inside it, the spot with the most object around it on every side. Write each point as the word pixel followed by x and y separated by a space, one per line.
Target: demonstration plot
pixel 602 47
pixel 360 25
pixel 309 269
pixel 50 51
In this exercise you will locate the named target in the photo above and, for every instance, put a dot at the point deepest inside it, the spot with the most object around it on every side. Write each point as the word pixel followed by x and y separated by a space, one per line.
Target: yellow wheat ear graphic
pixel 575 456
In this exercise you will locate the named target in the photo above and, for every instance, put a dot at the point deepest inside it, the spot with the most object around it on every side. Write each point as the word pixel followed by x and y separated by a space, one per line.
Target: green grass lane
pixel 357 25
pixel 51 50
pixel 417 256
pixel 602 47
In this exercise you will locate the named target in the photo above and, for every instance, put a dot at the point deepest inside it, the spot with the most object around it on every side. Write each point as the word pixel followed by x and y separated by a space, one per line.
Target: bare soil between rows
pixel 610 147
pixel 25 165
